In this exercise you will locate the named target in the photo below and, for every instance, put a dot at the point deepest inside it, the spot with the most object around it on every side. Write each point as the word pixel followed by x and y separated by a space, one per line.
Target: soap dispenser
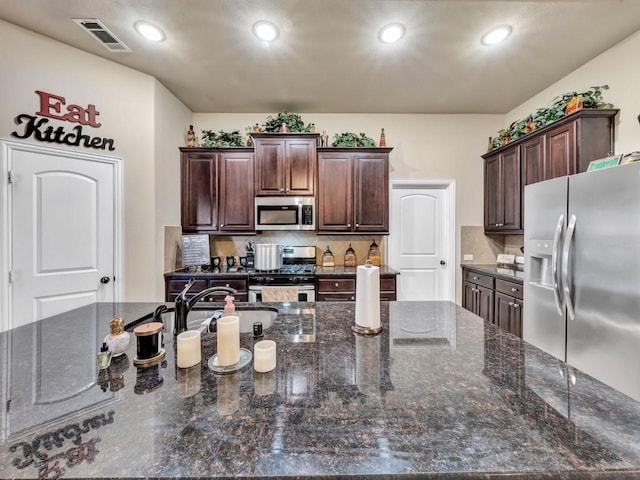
pixel 350 257
pixel 374 253
pixel 327 258
pixel 230 307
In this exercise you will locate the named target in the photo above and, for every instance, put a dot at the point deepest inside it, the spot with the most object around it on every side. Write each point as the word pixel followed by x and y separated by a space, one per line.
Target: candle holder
pixel 365 330
pixel 245 359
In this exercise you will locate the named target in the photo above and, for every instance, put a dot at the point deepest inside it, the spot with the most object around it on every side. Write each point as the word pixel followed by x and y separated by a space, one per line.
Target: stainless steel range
pixel 298 268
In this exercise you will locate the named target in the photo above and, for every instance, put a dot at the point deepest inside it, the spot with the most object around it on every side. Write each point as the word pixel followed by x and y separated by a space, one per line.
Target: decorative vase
pixel 383 139
pixel 284 128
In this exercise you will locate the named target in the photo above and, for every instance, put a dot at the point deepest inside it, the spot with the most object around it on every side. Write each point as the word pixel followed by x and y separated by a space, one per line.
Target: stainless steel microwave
pixel 285 213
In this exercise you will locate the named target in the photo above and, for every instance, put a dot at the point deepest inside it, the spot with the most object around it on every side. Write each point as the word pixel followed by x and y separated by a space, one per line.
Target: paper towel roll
pixel 368 296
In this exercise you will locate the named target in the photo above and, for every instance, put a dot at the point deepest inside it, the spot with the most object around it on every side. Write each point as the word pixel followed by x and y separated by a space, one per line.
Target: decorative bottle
pixel 350 257
pixel 383 139
pixel 374 254
pixel 327 258
pixel 118 340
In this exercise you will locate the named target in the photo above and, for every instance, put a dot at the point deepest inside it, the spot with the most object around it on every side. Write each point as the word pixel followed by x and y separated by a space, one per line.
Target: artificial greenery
pixel 221 139
pixel 293 121
pixel 348 139
pixel 592 98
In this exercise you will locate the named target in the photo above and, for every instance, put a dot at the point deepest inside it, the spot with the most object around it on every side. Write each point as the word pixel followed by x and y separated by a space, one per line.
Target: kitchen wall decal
pixel 55 107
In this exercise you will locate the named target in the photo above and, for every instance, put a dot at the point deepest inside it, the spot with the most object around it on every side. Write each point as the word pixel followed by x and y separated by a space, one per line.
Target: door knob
pixel 105 280
pixel 442 262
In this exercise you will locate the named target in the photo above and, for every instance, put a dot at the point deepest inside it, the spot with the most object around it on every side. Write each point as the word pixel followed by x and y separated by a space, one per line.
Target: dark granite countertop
pixel 341 270
pixel 439 394
pixel 223 271
pixel 506 273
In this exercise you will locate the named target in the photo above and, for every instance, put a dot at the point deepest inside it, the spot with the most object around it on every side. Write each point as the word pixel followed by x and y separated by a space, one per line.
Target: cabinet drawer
pixel 238 284
pixel 509 288
pixel 336 297
pixel 336 284
pixel 388 284
pixel 479 278
pixel 176 286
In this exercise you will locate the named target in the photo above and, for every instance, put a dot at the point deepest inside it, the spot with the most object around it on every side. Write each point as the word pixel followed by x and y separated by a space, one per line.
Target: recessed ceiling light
pixel 148 31
pixel 266 31
pixel 391 33
pixel 496 35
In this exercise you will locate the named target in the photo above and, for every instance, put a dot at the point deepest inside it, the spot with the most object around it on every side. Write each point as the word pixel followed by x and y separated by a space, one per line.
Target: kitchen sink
pixel 199 316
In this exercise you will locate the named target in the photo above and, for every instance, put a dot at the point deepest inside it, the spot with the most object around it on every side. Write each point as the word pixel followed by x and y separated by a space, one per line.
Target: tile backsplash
pixel 223 246
pixel 485 248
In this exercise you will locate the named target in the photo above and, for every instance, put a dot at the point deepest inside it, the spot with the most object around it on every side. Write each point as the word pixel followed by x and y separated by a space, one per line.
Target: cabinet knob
pixel 226 285
pixel 442 262
pixel 105 280
pixel 215 226
pixel 514 289
pixel 353 297
pixel 357 225
pixel 516 305
pixel 511 304
pixel 336 285
pixel 282 189
pixel 476 278
pixel 349 225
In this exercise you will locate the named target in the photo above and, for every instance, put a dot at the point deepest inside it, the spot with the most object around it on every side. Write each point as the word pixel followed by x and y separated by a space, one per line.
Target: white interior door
pixel 61 231
pixel 422 239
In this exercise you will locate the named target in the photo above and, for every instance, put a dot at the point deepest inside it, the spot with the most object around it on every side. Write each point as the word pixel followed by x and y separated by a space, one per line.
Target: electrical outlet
pixel 468 257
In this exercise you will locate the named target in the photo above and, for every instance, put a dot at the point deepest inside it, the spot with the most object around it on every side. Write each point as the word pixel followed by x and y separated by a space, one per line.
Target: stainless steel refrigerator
pixel 582 272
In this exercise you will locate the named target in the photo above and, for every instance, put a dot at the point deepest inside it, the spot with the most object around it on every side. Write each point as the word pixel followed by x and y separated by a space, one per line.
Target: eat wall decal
pixel 55 107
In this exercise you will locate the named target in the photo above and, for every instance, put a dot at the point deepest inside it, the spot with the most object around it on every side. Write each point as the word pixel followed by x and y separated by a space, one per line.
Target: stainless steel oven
pixel 306 293
pixel 298 269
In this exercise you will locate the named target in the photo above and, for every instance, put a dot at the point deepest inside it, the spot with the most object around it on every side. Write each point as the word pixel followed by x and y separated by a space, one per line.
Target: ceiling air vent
pixel 102 34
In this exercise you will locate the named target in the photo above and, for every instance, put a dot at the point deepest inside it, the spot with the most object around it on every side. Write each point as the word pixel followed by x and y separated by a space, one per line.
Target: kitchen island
pixel 439 394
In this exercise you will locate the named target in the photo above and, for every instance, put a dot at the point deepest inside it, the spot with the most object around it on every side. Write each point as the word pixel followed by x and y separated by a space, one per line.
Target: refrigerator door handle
pixel 555 276
pixel 566 248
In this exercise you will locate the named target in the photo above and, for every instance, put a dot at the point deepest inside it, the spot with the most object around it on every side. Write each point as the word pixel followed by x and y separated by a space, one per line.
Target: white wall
pixel 618 67
pixel 128 102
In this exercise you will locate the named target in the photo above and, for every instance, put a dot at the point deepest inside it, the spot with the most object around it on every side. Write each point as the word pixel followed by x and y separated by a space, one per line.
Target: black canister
pixel 148 343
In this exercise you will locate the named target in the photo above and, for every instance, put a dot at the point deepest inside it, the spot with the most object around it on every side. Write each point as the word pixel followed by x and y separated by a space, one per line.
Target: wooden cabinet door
pixel 300 166
pixel 503 310
pixel 492 194
pixel 533 160
pixel 371 207
pixel 269 166
pixel 516 320
pixel 485 303
pixel 198 191
pixel 511 190
pixel 335 192
pixel 469 296
pixel 236 204
pixel 561 151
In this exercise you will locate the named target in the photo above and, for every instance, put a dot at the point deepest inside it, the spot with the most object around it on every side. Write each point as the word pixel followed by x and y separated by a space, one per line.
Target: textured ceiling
pixel 328 58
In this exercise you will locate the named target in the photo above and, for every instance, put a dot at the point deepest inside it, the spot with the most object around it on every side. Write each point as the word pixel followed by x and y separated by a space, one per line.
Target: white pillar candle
pixel 228 328
pixel 264 356
pixel 188 348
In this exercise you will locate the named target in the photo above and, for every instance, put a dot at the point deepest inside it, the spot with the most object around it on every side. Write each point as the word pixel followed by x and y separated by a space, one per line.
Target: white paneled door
pixel 61 228
pixel 422 239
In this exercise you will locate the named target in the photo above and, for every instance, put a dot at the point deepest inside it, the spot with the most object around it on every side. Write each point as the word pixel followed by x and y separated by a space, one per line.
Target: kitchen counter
pixel 439 394
pixel 512 274
pixel 340 270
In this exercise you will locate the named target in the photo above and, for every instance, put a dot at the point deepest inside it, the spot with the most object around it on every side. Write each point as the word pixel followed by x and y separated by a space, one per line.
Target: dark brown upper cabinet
pixel 216 190
pixel 353 190
pixel 285 163
pixel 562 148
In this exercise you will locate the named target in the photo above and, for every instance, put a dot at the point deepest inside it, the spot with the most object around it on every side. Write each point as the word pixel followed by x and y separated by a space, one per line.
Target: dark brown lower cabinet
pixel 342 288
pixel 478 294
pixel 508 313
pixel 497 300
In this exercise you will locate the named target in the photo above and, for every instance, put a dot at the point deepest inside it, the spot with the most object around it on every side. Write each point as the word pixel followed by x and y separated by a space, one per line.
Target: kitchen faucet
pixel 184 306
